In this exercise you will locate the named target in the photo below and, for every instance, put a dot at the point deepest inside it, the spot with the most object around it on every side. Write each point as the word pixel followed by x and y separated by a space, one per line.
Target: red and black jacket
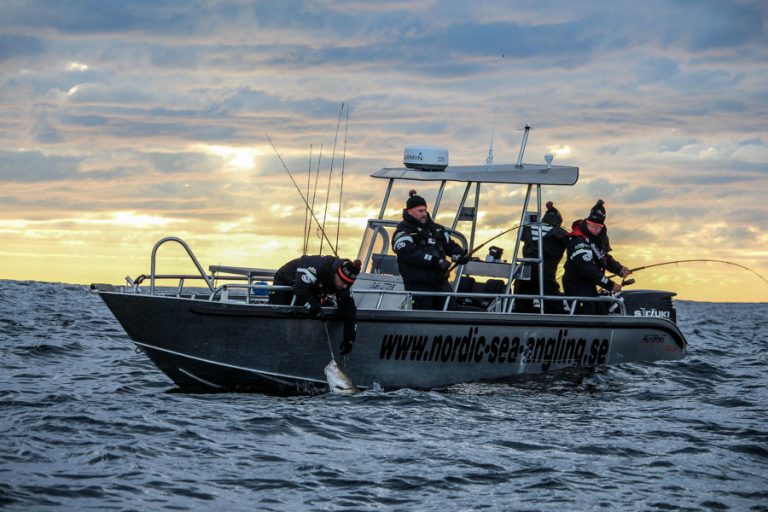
pixel 589 258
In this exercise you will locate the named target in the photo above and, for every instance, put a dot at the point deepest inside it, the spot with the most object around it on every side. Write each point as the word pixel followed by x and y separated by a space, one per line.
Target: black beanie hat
pixel 597 215
pixel 348 270
pixel 414 200
pixel 552 217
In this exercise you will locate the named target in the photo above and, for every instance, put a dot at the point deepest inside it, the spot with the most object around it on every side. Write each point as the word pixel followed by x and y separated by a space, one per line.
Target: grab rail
pixel 500 297
pixel 221 291
pixel 208 280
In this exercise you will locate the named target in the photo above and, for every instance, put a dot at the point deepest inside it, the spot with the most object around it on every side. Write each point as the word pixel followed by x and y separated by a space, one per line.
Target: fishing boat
pixel 223 334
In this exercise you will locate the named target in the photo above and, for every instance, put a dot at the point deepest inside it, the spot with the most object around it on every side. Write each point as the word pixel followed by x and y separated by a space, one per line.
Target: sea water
pixel 89 424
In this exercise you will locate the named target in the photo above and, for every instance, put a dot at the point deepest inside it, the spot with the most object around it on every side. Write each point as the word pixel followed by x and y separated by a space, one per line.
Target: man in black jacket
pixel 313 279
pixel 588 259
pixel 553 243
pixel 421 246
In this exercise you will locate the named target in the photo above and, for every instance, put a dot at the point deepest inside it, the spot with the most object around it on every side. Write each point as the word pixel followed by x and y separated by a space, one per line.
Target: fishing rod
pixel 330 175
pixel 637 269
pixel 314 194
pixel 483 245
pixel 341 186
pixel 306 203
pixel 306 212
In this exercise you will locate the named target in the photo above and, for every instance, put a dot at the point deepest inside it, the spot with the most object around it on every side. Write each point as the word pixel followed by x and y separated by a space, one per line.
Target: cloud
pixel 34 166
pixel 160 108
pixel 15 46
pixel 642 194
pixel 712 24
pixel 44 132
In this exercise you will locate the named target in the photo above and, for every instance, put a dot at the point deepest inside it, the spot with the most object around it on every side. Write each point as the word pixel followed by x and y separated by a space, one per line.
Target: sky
pixel 126 122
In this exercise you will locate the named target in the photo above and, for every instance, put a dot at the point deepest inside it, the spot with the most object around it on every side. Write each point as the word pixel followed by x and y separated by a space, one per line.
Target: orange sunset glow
pixel 115 135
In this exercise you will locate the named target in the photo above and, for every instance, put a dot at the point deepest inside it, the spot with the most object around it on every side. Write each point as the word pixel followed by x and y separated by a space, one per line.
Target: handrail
pixel 208 280
pixel 217 290
pixel 376 226
pixel 504 296
pixel 222 289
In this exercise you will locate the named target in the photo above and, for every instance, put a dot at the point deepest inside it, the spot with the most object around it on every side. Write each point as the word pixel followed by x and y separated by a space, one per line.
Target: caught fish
pixel 338 381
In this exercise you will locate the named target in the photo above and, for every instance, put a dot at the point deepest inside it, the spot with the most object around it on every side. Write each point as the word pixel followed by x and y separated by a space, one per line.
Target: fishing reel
pixel 624 283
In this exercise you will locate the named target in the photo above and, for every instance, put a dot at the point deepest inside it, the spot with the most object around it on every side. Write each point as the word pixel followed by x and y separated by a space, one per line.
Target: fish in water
pixel 338 381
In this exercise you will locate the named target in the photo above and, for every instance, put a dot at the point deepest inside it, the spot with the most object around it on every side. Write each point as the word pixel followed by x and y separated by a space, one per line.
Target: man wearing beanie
pixel 588 259
pixel 313 279
pixel 553 243
pixel 421 246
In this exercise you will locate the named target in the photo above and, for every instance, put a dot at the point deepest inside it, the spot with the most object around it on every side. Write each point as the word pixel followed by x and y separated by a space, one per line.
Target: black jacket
pixel 312 280
pixel 554 242
pixel 419 249
pixel 588 259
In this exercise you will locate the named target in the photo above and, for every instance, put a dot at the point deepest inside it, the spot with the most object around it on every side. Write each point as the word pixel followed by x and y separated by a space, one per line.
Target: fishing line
pixel 328 338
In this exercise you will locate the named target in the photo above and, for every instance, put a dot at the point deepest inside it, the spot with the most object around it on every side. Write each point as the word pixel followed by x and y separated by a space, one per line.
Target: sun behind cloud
pixel 240 158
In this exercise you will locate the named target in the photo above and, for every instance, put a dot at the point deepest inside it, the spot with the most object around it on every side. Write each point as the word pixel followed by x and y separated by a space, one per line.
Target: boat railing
pixel 494 302
pixel 229 273
pixel 258 292
pixel 499 302
pixel 153 276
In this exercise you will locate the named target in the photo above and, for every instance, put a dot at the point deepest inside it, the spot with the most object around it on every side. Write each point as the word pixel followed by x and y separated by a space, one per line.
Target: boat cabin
pixel 481 284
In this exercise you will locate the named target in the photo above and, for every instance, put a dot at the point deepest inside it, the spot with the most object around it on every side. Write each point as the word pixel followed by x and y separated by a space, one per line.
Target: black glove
pixel 346 346
pixel 443 265
pixel 314 310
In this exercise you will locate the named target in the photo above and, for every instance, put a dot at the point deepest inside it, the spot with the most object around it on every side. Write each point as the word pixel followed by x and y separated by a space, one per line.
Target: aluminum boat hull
pixel 275 349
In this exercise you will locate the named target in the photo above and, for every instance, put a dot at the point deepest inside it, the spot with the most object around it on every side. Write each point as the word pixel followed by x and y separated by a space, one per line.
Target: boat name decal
pixel 653 312
pixel 474 348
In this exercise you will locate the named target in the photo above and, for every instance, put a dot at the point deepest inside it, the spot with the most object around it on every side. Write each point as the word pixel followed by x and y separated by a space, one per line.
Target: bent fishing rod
pixel 637 269
pixel 469 255
pixel 306 203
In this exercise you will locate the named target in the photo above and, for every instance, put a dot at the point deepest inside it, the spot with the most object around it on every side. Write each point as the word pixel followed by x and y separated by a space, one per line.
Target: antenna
pixel 522 145
pixel 489 159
